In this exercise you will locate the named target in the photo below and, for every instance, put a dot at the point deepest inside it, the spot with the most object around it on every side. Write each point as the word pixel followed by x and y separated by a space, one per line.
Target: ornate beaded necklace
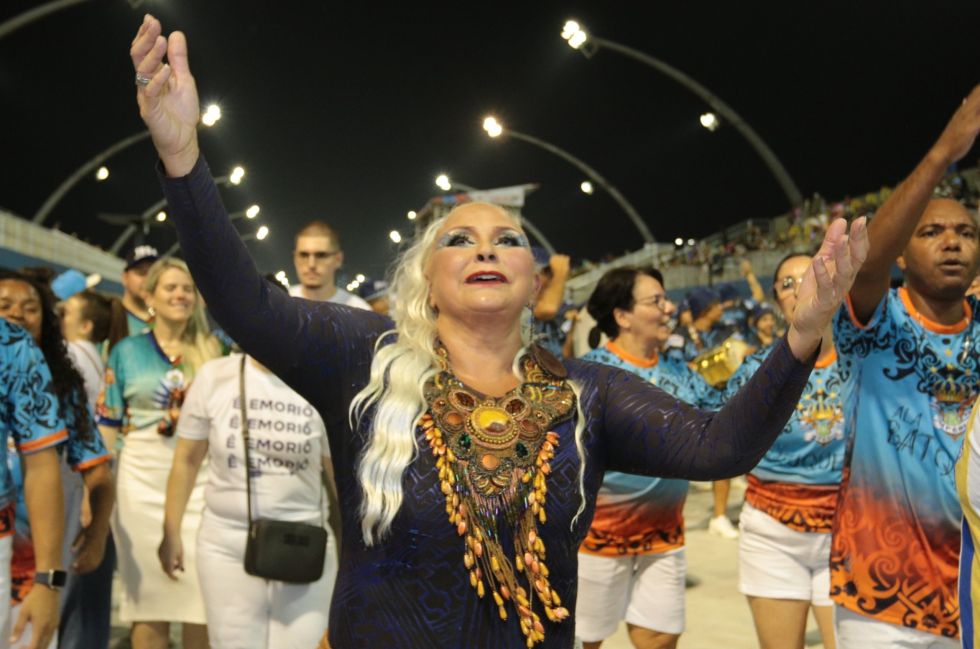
pixel 493 457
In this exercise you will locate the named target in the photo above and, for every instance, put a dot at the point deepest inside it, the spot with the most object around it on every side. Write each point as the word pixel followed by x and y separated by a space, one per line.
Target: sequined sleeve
pixel 313 346
pixel 646 431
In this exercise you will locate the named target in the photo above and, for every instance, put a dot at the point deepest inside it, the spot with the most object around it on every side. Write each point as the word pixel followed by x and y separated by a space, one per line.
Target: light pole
pixel 84 170
pixel 578 38
pixel 495 129
pixel 31 15
pixel 143 220
pixel 212 115
pixel 26 18
pixel 443 182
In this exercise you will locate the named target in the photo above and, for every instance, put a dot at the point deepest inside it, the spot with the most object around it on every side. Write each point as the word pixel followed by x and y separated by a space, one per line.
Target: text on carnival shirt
pixel 287 441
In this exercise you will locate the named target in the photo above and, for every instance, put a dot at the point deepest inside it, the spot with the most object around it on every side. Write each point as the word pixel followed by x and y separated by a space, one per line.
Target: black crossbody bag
pixel 279 550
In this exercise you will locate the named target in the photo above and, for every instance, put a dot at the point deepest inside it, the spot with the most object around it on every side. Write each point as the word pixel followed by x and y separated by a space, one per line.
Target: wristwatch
pixel 53 579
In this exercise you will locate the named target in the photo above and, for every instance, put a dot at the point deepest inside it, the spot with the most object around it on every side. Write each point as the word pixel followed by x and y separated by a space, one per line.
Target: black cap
pixel 141 254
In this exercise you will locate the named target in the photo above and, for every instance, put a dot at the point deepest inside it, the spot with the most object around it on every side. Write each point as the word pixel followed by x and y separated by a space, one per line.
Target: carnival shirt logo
pixel 820 414
pixel 951 399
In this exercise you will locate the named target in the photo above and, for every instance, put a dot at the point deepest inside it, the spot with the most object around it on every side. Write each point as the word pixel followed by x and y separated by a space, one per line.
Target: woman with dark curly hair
pixel 26 302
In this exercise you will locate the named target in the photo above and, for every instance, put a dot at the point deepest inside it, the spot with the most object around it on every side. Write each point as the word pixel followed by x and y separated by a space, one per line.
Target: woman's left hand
pixel 171 554
pixel 89 548
pixel 825 285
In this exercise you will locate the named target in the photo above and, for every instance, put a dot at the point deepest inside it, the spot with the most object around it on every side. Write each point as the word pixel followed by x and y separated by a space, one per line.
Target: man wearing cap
pixel 317 257
pixel 734 313
pixel 703 333
pixel 375 291
pixel 138 262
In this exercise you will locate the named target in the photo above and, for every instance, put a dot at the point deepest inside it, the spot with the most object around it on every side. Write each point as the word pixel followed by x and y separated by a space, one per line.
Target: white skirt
pixel 149 595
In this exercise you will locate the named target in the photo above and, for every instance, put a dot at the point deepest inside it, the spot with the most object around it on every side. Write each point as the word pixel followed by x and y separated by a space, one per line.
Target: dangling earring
pixel 151 311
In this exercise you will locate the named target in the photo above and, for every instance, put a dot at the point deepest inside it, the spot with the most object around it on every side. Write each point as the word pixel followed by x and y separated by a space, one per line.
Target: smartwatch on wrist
pixel 53 579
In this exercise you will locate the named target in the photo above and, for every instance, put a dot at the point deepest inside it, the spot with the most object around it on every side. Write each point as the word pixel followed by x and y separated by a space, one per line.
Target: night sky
pixel 347 113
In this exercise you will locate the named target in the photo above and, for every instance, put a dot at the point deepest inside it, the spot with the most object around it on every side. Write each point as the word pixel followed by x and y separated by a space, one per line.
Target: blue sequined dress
pixel 412 590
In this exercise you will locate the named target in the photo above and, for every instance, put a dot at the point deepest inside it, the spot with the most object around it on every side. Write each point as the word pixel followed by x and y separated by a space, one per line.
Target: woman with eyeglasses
pixel 632 565
pixel 146 378
pixel 784 546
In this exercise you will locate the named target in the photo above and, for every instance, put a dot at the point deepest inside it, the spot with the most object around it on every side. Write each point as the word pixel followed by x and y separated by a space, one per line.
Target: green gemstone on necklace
pixel 465 441
pixel 521 449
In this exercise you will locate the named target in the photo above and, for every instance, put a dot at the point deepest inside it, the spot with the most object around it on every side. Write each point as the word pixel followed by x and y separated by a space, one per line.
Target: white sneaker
pixel 721 526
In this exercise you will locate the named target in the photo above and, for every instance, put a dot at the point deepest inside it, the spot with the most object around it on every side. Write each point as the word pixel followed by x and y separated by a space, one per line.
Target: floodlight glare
pixel 102 173
pixel 678 242
pixel 442 182
pixel 710 121
pixel 236 175
pixel 211 115
pixel 492 127
pixel 161 216
pixel 575 34
pixel 587 187
pixel 412 214
pixel 262 233
pixel 252 212
pixel 395 236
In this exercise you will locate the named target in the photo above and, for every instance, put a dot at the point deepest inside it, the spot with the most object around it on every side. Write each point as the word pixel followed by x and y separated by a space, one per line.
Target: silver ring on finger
pixel 142 80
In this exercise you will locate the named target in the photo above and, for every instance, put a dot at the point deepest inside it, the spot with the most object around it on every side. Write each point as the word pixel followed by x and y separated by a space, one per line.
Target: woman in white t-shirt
pixel 289 465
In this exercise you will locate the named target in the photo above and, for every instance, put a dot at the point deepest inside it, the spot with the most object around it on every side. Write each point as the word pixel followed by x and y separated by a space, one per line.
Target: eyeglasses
pixel 790 282
pixel 318 255
pixel 659 301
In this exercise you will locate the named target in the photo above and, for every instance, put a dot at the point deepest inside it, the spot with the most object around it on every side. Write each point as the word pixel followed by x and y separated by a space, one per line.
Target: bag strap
pixel 244 415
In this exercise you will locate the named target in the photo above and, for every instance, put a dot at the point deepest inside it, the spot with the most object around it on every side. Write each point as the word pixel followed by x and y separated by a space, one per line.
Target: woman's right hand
pixel 168 103
pixel 171 553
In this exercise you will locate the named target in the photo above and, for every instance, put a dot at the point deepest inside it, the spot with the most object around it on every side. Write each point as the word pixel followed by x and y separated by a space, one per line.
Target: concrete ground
pixel 717 615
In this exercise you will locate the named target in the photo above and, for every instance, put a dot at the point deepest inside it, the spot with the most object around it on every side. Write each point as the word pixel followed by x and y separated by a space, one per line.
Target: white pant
pixel 246 612
pixel 6 621
pixel 856 631
pixel 777 562
pixel 645 590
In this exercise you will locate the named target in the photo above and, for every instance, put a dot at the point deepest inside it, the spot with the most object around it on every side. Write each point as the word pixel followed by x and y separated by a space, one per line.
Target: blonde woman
pixel 467 462
pixel 146 378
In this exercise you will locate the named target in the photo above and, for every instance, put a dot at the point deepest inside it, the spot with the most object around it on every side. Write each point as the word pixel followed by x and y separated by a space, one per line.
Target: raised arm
pixel 894 223
pixel 646 431
pixel 294 338
pixel 649 432
pixel 749 274
pixel 551 298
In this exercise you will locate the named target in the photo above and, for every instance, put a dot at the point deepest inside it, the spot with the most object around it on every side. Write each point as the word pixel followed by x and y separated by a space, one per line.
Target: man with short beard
pixel 911 373
pixel 317 257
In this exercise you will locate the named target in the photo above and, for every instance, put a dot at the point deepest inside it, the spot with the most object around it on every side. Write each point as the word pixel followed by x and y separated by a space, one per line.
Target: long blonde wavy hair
pixel 199 345
pixel 399 372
